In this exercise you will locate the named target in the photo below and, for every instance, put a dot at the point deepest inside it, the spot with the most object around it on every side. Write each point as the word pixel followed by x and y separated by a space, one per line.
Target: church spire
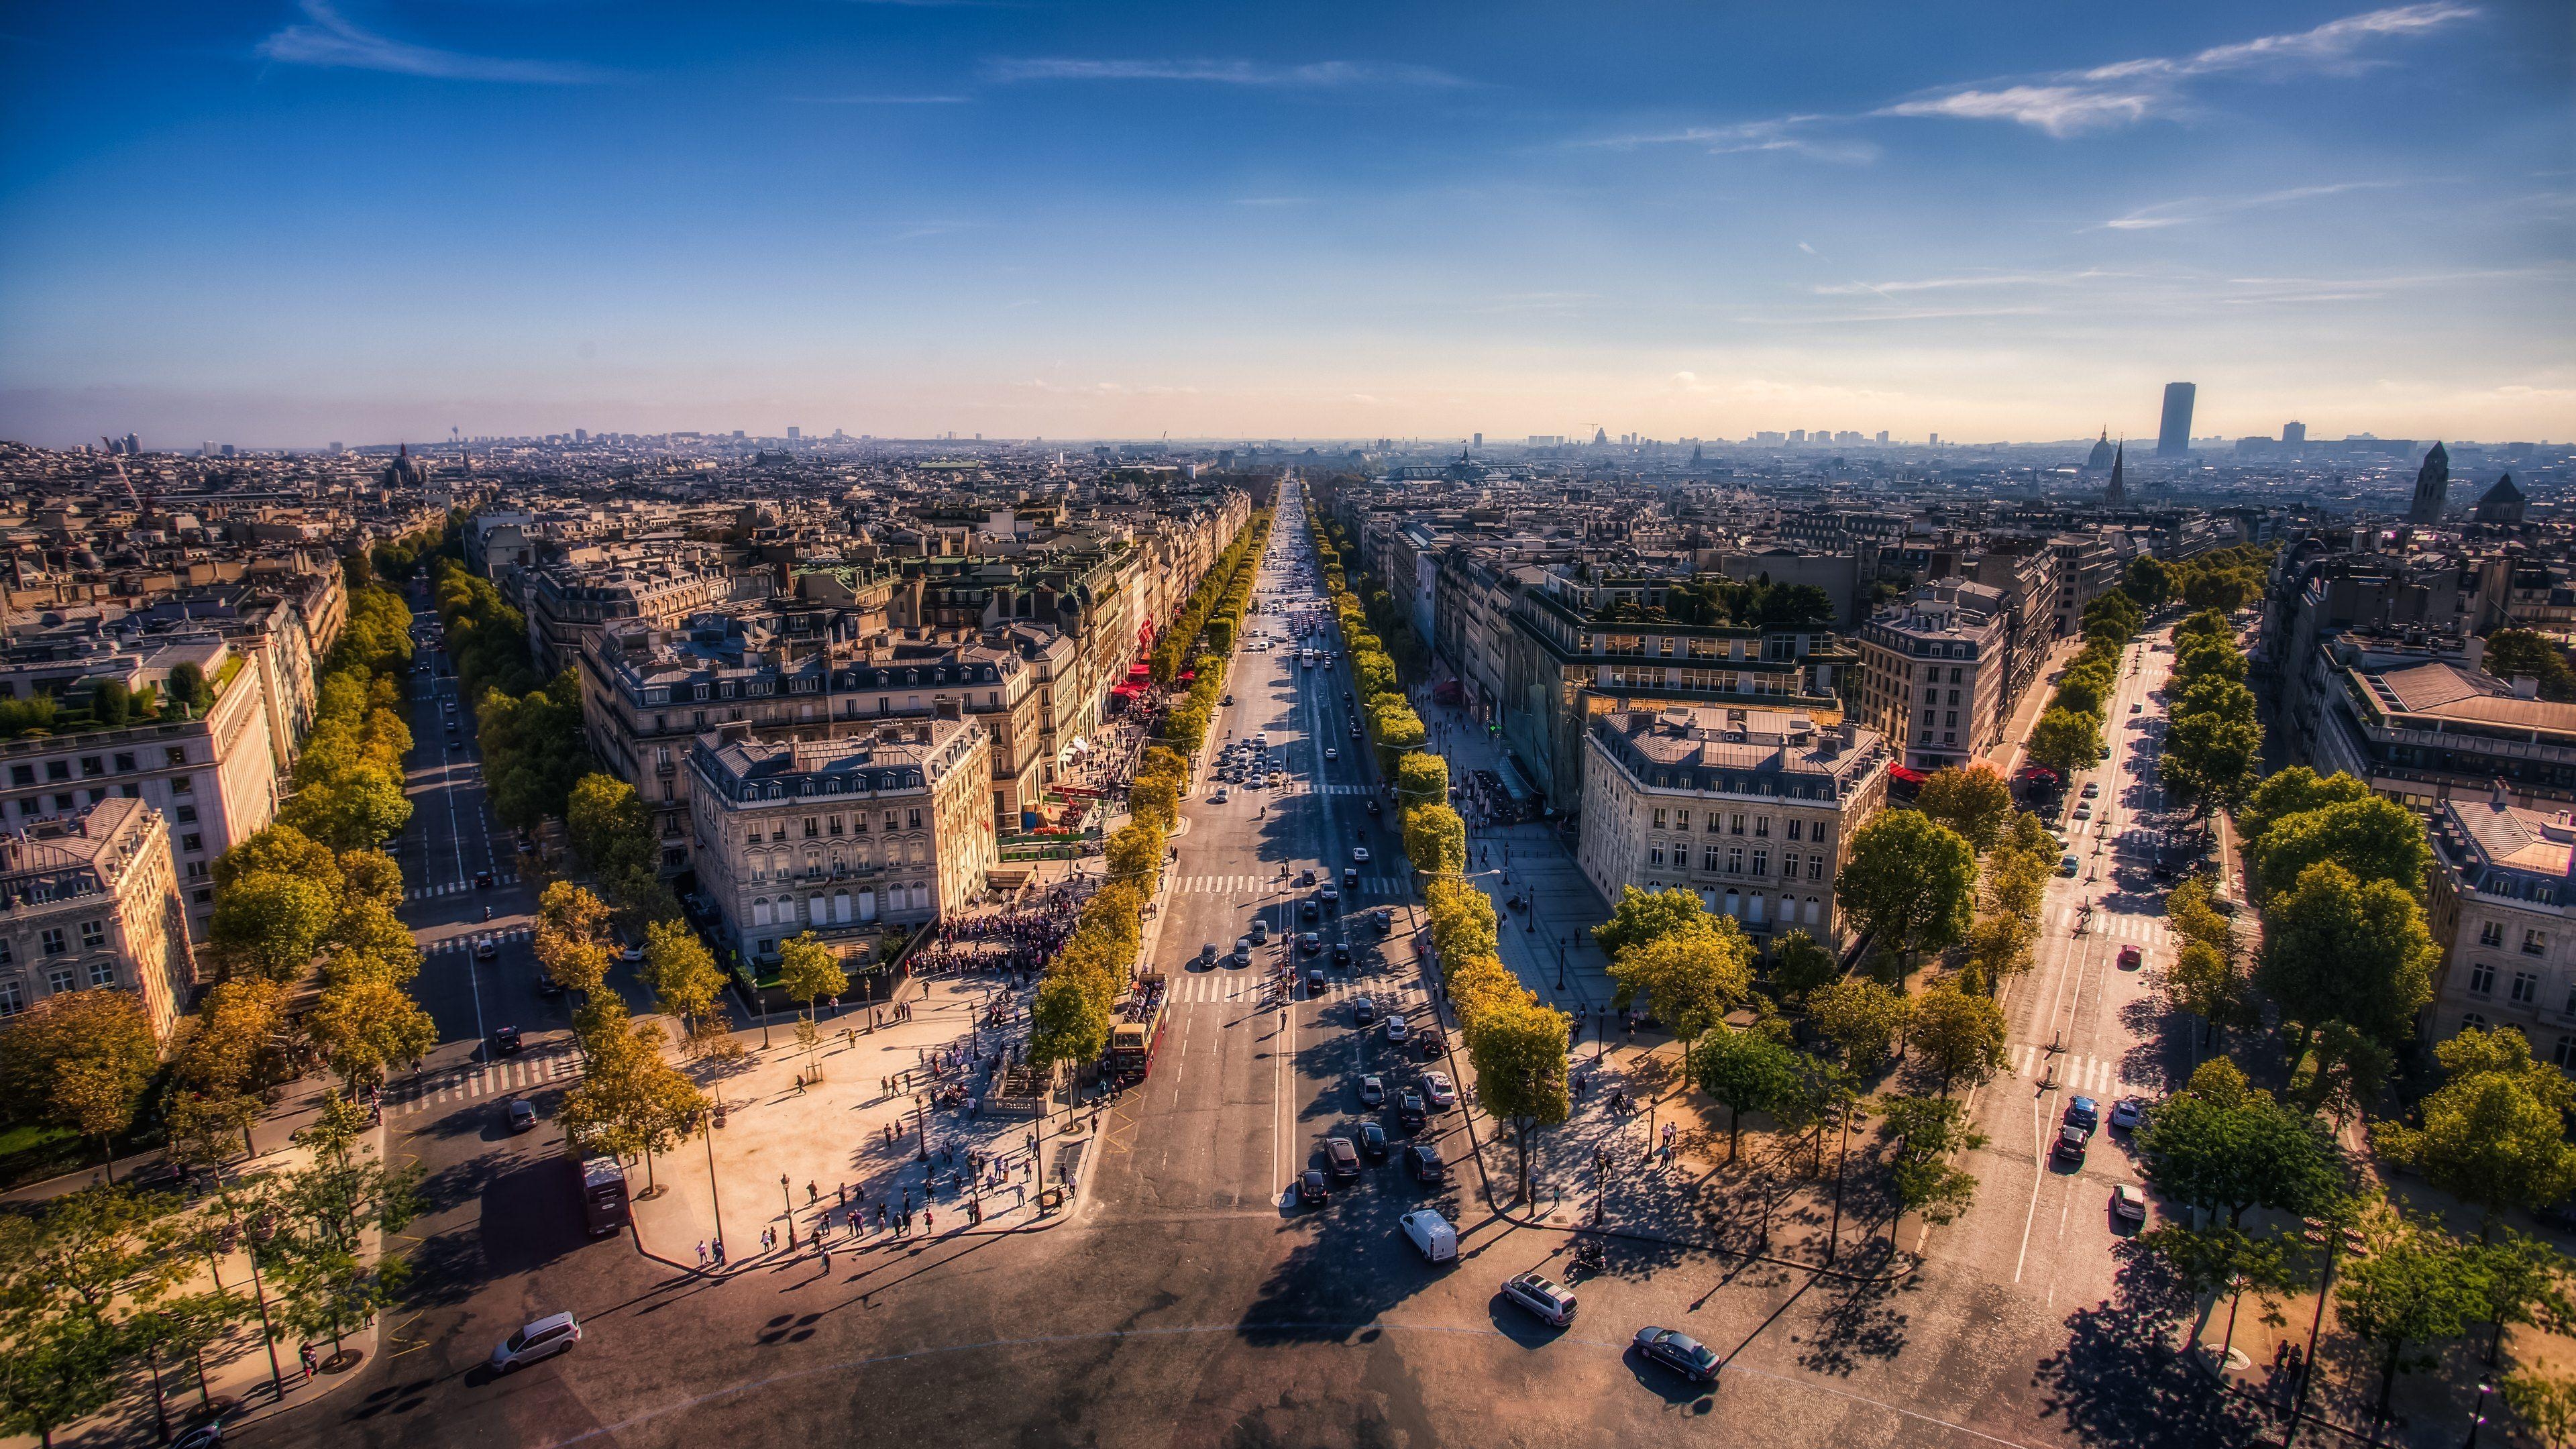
pixel 2118 492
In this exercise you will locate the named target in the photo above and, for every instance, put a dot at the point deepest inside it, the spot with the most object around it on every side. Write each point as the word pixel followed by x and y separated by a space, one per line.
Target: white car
pixel 1359 853
pixel 1217 799
pixel 1436 1086
pixel 1332 754
pixel 1553 1303
pixel 553 1334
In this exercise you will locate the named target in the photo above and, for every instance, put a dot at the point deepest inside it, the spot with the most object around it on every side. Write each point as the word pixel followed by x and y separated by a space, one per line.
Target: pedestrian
pixel 925 1220
pixel 845 1194
pixel 702 1252
pixel 720 1258
pixel 827 1257
pixel 812 1196
pixel 881 1216
pixel 304 1352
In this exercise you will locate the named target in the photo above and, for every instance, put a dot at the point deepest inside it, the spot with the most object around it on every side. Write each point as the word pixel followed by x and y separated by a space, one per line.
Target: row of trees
pixel 2213 745
pixel 2226 581
pixel 101 1282
pixel 1388 716
pixel 2068 736
pixel 530 732
pixel 1215 607
pixel 632 1101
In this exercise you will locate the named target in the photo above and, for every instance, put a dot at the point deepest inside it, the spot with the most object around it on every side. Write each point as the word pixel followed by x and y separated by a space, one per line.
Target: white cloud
pixel 2129 91
pixel 1796 135
pixel 1313 75
pixel 1978 279
pixel 2192 209
pixel 2061 110
pixel 325 38
pixel 1802 246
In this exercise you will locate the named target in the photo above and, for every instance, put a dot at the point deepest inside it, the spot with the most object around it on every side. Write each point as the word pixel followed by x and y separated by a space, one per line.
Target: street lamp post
pixel 259 1291
pixel 713 1195
pixel 1834 1238
pixel 787 1199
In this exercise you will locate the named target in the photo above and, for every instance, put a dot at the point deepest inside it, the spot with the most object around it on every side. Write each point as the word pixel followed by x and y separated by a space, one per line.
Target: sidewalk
pixel 2005 754
pixel 791 1158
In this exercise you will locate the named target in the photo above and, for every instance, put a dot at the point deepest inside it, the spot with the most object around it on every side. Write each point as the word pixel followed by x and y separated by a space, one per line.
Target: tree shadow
pixel 1858 1319
pixel 2120 1379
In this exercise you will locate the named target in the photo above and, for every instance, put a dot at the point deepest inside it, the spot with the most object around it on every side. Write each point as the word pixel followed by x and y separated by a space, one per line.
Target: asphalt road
pixel 1191 1301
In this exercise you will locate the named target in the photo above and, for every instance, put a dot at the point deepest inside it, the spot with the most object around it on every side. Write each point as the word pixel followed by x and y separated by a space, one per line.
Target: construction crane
pixel 122 477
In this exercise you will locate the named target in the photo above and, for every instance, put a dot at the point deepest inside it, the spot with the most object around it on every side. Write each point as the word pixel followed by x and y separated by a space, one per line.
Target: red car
pixel 2130 960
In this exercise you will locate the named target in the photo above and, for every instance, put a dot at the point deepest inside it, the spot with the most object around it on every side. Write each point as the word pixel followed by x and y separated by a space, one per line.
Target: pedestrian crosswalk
pixel 552 1066
pixel 2112 925
pixel 1249 886
pixel 459 943
pixel 2077 1072
pixel 458 887
pixel 1252 986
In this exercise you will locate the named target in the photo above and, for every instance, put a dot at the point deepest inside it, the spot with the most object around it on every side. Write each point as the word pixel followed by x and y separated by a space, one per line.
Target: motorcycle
pixel 1588 1256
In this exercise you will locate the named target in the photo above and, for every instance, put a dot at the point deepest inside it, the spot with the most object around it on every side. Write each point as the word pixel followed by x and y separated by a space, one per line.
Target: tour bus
pixel 601 1181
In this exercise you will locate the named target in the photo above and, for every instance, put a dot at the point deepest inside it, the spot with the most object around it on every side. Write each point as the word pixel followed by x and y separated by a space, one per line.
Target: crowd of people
pixel 1019 938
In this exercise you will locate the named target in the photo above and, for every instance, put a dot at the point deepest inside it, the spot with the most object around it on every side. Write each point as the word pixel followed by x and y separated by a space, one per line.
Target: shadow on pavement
pixel 2120 1380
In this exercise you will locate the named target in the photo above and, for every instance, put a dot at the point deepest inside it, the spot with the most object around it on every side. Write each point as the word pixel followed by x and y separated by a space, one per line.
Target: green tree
pixel 1974 802
pixel 2218 1259
pixel 271 926
pixel 2512 652
pixel 1863 1019
pixel 2340 949
pixel 808 971
pixel 2065 741
pixel 2494 1133
pixel 1693 976
pixel 1067 1023
pixel 1909 881
pixel 2211 753
pixel 1642 916
pixel 1421 778
pixel 1743 1071
pixel 2293 791
pixel 2225 1148
pixel 533 751
pixel 1519 1053
pixel 689 988
pixel 1958 1034
pixel 368 1024
pixel 1799 965
pixel 2148 582
pixel 330 1276
pixel 2546 1404
pixel 2375 839
pixel 1922 1133
pixel 82 1060
pixel 2411 1286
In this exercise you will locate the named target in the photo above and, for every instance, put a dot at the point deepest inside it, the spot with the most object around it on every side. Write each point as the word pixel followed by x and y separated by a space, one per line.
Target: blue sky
pixel 289 222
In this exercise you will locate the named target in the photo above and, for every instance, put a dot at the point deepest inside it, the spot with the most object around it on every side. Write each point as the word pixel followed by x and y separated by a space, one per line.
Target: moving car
pixel 1373 1091
pixel 521 1116
pixel 486 949
pixel 1359 854
pixel 1208 954
pixel 1243 950
pixel 2092 788
pixel 2127 1113
pixel 1343 1156
pixel 1430 1235
pixel 1396 1030
pixel 1219 797
pixel 1341 955
pixel 1332 754
pixel 2067 866
pixel 1679 1352
pixel 2071 1142
pixel 1552 1302
pixel 1260 932
pixel 2130 959
pixel 2084 1112
pixel 1373 807
pixel 543 1339
pixel 1425 1161
pixel 506 1040
pixel 1409 1109
pixel 2083 810
pixel 1372 1140
pixel 1364 1010
pixel 1310 943
pixel 1330 893
pixel 2127 1204
pixel 1310 1186
pixel 1435 1085
pixel 1315 983
pixel 482 879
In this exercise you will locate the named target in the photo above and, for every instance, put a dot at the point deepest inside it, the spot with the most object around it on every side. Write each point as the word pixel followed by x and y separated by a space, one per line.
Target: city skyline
pixel 325 220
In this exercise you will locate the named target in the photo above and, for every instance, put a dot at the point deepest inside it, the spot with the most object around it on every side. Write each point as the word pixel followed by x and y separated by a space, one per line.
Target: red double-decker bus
pixel 1138 1032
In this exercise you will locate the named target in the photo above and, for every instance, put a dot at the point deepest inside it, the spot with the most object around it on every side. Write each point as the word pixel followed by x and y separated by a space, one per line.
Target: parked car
pixel 542 1339
pixel 1311 1188
pixel 2092 788
pixel 1679 1352
pixel 2127 1113
pixel 2083 810
pixel 1552 1302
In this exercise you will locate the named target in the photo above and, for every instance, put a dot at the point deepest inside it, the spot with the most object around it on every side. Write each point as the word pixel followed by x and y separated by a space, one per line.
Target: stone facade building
pixel 88 902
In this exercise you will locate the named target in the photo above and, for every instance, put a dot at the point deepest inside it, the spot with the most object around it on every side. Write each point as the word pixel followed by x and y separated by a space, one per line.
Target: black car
pixel 1341 955
pixel 1409 1109
pixel 1315 983
pixel 1372 1140
pixel 1680 1352
pixel 1311 1187
pixel 1372 807
pixel 1425 1161
pixel 506 1041
pixel 482 879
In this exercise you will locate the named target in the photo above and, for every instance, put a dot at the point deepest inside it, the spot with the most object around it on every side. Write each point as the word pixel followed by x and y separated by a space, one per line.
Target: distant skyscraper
pixel 1882 437
pixel 1797 435
pixel 2173 437
pixel 1480 440
pixel 2294 433
pixel 2118 492
pixel 581 435
pixel 1936 440
pixel 2432 487
pixel 1600 436
pixel 792 433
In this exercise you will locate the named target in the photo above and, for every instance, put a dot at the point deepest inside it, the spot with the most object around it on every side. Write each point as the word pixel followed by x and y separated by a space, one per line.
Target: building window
pixel 1659 817
pixel 60 979
pixel 1735 825
pixel 1815 867
pixel 2535 943
pixel 1789 865
pixel 1655 855
pixel 192 841
pixel 186 814
pixel 92 767
pixel 182 784
pixel 124 763
pixel 205 897
pixel 1761 862
pixel 2526 988
pixel 915 819
pixel 1735 860
pixel 102 973
pixel 58 769
pixel 1794 827
pixel 1761 826
pixel 7 954
pixel 2471 1021
pixel 52 938
pixel 1708 858
pixel 93 935
pixel 178 756
pixel 2491 934
pixel 1681 821
pixel 13 999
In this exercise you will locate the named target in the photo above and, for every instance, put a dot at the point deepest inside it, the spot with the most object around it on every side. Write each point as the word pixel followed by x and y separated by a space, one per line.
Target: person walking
pixel 702 1252
pixel 304 1354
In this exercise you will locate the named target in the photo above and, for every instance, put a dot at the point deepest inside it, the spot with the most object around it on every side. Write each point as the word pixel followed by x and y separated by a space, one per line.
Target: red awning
pixel 1910 777
pixel 1128 691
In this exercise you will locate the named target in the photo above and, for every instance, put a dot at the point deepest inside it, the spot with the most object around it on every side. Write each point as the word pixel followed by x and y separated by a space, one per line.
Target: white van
pixel 553 1334
pixel 1431 1235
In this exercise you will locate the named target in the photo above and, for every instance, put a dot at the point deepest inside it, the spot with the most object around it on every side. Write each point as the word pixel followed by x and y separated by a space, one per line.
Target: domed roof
pixel 2101 457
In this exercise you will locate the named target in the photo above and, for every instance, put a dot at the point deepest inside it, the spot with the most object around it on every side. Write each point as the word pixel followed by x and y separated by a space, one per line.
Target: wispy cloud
pixel 1312 75
pixel 2126 92
pixel 2192 209
pixel 1796 135
pixel 1973 279
pixel 324 37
